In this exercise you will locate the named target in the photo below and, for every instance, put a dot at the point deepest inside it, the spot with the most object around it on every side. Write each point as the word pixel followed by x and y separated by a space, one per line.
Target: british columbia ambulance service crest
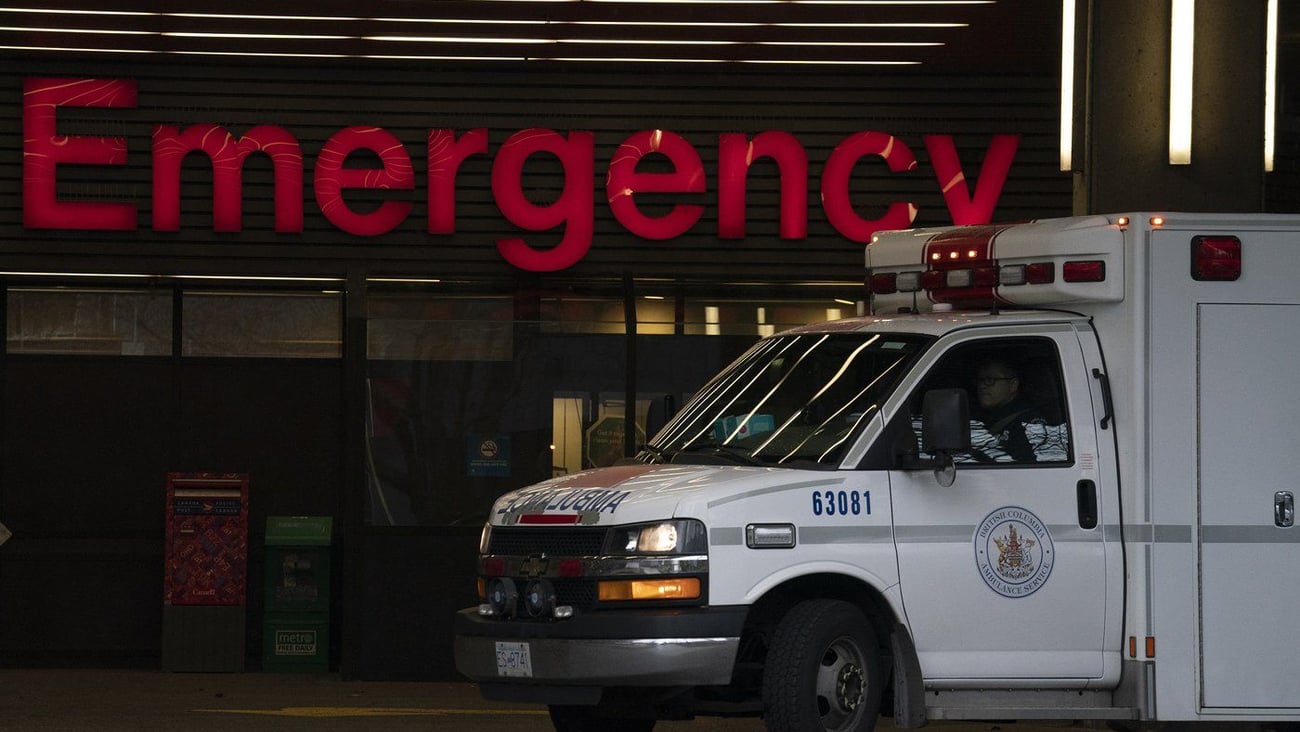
pixel 1013 552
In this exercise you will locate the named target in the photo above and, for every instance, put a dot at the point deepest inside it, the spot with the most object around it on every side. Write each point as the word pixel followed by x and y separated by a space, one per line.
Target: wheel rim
pixel 841 684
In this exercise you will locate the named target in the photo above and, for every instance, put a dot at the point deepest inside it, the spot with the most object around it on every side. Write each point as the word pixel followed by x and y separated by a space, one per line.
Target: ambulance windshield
pixel 799 400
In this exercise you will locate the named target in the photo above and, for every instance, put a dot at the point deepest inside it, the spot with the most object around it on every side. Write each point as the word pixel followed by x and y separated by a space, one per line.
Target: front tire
pixel 567 718
pixel 823 670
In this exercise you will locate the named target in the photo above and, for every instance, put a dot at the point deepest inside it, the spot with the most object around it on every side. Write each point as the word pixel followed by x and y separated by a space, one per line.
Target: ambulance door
pixel 1248 403
pixel 1003 573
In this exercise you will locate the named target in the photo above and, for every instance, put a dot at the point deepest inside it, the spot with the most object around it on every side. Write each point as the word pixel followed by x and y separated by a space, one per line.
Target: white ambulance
pixel 1052 477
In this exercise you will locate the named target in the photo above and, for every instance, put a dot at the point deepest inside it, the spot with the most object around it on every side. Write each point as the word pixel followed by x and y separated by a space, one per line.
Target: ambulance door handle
pixel 1284 509
pixel 1087 492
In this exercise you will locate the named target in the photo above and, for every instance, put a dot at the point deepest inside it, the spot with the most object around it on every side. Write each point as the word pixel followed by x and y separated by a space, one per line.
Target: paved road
pixel 143 701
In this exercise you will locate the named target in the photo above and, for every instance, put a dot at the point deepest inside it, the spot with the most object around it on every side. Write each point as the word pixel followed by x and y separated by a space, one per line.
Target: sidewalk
pixel 152 700
pixel 45 700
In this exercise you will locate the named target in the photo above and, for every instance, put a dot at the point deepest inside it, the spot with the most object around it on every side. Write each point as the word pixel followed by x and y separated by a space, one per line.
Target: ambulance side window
pixel 1017 405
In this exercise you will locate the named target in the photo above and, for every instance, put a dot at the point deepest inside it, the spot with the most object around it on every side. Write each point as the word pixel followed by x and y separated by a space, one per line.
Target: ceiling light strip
pixel 100 31
pixel 69 49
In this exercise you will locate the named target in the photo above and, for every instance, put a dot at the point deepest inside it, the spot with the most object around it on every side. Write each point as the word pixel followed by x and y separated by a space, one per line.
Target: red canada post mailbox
pixel 205 577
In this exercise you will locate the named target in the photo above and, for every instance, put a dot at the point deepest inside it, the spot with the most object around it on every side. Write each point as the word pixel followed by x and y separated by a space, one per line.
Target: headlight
pixel 681 536
pixel 658 538
pixel 484 539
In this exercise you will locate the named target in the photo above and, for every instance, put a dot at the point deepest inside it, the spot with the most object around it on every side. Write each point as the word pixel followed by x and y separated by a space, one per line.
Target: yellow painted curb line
pixel 323 712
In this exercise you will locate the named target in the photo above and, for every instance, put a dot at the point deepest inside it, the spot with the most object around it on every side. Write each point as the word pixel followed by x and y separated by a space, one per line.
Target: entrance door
pixel 1250 652
pixel 1003 576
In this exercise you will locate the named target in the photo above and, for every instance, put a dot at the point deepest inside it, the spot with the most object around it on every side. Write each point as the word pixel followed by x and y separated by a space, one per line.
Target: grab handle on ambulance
pixel 1105 397
pixel 1284 509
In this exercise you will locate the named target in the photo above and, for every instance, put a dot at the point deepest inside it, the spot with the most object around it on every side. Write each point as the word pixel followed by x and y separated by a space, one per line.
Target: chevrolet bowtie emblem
pixel 534 566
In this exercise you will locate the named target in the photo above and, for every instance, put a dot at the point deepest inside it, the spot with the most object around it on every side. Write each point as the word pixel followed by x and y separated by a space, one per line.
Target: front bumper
pixel 669 647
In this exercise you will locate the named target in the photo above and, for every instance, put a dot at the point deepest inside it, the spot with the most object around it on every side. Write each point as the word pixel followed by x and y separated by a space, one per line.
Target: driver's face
pixel 995 386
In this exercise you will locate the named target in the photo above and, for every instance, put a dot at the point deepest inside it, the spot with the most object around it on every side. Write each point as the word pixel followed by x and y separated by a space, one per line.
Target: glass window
pixel 656 315
pixel 590 430
pixel 582 314
pixel 262 324
pixel 760 317
pixel 110 322
pixel 1017 408
pixel 422 327
pixel 447 436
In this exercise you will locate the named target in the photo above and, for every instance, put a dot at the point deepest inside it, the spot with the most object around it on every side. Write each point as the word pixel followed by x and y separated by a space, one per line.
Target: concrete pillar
pixel 1125 99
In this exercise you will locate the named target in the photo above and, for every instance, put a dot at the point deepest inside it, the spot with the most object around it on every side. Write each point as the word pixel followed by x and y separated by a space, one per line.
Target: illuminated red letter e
pixel 44 150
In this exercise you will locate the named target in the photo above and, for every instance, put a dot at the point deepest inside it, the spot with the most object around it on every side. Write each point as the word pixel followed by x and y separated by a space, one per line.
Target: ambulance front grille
pixel 532 542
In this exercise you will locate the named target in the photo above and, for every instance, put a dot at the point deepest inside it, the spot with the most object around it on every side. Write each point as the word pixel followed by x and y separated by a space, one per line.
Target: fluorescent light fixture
pixel 473 21
pixel 831 63
pixel 117 275
pixel 262 36
pixel 784 62
pixel 746 24
pixel 18 29
pixel 68 49
pixel 49 11
pixel 645 42
pixel 244 16
pixel 1182 21
pixel 797 2
pixel 1067 85
pixel 74 274
pixel 1270 87
pixel 855 44
pixel 254 278
pixel 631 59
pixel 412 57
pixel 684 42
pixel 869 25
pixel 238 54
pixel 773 2
pixel 457 39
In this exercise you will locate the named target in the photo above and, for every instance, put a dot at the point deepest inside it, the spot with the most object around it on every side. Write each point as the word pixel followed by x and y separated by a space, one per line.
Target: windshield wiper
pixel 657 453
pixel 734 453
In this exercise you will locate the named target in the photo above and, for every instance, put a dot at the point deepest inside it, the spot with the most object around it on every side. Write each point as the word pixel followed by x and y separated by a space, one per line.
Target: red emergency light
pixel 1086 271
pixel 1216 258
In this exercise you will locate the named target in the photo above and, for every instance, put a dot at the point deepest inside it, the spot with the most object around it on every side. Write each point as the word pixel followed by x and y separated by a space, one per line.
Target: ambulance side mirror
pixel 945 429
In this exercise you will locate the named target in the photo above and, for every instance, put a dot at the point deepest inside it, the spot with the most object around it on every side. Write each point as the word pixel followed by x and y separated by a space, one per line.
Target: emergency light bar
pixel 1038 263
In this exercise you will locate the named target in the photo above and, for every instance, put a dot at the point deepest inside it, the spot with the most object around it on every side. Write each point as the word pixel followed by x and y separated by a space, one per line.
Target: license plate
pixel 514 659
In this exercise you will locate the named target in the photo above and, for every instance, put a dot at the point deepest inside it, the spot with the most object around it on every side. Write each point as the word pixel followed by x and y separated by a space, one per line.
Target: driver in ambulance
pixel 1005 425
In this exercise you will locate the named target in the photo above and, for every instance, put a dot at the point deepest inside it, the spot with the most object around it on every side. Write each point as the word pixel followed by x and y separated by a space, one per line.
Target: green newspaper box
pixel 296 594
